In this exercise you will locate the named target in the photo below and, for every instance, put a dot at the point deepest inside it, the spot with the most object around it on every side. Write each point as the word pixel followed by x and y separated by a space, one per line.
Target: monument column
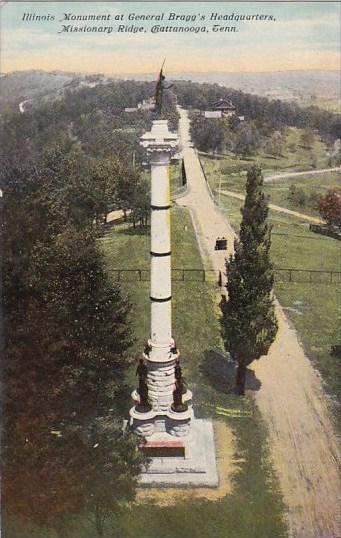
pixel 160 284
pixel 160 354
pixel 180 447
pixel 160 144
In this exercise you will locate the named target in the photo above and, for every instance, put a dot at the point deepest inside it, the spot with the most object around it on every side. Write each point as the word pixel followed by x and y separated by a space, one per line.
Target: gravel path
pixel 278 177
pixel 303 445
pixel 278 208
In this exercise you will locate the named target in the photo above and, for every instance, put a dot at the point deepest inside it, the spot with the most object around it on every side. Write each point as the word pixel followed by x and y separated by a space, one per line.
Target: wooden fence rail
pixel 282 275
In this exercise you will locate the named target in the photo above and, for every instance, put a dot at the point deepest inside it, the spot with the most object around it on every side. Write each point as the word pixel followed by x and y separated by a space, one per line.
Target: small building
pixel 213 114
pixel 89 84
pixel 225 106
pixel 26 105
pixel 130 109
pixel 147 104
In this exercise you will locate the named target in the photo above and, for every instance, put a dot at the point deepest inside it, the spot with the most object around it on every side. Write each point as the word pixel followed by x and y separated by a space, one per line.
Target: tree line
pixel 274 114
pixel 66 326
pixel 248 137
pixel 67 338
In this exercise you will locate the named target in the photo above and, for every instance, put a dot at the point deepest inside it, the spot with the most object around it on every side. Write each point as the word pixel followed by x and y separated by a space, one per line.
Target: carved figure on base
pixel 147 349
pixel 178 406
pixel 177 370
pixel 142 372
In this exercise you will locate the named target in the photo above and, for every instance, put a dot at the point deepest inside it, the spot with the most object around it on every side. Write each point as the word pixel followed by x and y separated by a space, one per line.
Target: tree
pixel 66 343
pixel 249 325
pixel 141 203
pixel 127 182
pixel 297 196
pixel 247 139
pixel 102 176
pixel 66 355
pixel 329 207
pixel 275 144
pixel 307 138
pixel 84 469
pixel 208 134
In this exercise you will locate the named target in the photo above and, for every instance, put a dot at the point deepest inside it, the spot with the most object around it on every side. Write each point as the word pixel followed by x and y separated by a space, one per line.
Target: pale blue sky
pixel 305 35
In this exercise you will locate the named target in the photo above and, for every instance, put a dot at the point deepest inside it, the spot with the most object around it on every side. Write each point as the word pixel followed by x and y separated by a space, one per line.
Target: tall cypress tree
pixel 249 322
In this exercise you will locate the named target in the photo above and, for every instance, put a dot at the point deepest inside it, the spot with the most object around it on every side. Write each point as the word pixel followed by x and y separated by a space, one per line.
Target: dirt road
pixel 304 447
pixel 278 177
pixel 278 208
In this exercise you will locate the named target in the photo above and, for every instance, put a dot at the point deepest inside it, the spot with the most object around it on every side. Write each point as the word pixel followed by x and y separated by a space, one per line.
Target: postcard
pixel 170 235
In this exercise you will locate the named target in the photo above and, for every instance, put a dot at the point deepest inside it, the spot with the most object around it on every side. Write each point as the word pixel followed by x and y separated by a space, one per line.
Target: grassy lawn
pixel 295 157
pixel 229 173
pixel 254 508
pixel 176 185
pixel 277 191
pixel 315 313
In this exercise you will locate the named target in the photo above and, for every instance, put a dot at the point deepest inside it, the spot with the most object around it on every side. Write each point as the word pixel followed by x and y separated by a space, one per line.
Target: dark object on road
pixel 220 244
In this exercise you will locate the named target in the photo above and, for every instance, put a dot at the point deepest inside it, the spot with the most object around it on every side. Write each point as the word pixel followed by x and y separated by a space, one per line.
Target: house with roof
pixel 221 108
pixel 225 106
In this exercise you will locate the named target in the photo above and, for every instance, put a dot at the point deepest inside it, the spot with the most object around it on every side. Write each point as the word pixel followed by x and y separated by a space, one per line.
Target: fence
pixel 178 275
pixel 307 276
pixel 282 275
pixel 206 179
pixel 330 231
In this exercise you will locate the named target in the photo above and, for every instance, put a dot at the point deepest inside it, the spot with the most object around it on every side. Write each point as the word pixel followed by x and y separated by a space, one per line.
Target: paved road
pixel 278 177
pixel 278 208
pixel 303 445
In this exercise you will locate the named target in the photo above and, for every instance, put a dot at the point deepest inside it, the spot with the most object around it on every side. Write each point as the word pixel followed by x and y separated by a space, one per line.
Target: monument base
pixel 182 462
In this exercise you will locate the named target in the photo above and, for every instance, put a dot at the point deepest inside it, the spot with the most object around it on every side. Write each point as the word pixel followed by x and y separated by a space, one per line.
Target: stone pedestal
pixel 195 467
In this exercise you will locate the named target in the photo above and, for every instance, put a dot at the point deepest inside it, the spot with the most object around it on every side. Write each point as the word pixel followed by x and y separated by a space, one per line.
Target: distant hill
pixel 40 85
pixel 17 86
pixel 284 85
pixel 303 87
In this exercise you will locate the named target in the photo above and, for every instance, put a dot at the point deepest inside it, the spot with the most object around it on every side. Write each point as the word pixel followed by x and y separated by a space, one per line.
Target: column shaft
pixel 160 286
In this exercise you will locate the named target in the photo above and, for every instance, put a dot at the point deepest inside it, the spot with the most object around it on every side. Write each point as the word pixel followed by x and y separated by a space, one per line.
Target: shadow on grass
pixel 139 230
pixel 107 228
pixel 220 371
pixel 113 223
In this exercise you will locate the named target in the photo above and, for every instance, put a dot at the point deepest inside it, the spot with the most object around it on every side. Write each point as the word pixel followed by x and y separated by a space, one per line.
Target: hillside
pixel 40 86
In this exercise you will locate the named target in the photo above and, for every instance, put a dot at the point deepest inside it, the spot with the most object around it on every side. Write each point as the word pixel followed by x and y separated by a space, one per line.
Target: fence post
pixel 183 275
pixel 118 276
pixel 203 275
pixel 290 275
pixel 140 275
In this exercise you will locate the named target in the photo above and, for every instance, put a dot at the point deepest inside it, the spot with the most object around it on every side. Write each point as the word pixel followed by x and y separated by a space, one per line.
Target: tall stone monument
pixel 181 448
